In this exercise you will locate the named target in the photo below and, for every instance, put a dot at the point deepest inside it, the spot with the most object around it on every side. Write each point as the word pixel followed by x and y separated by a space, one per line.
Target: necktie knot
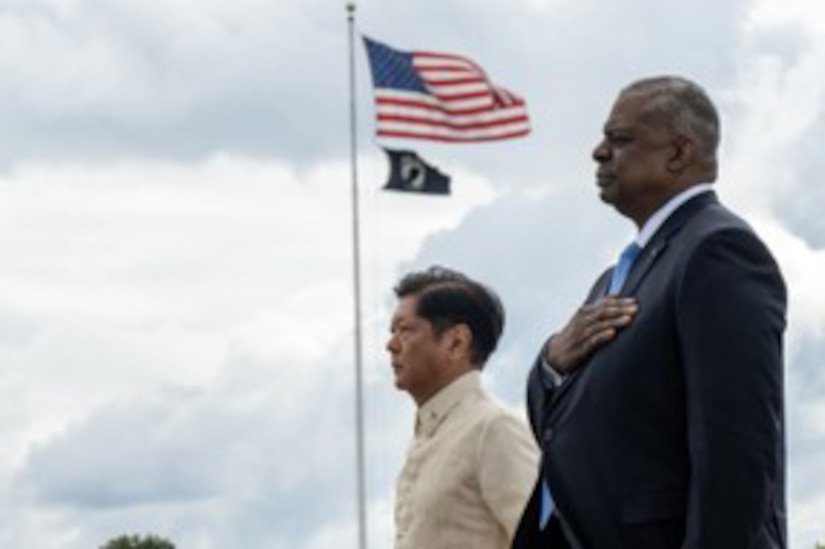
pixel 622 268
pixel 631 252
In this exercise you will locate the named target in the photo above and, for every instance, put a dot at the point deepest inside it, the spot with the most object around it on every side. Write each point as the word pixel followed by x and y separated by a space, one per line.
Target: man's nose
pixel 601 152
pixel 391 344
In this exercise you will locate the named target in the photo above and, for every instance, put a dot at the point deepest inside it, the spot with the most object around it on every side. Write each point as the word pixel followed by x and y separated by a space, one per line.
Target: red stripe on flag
pixel 455 82
pixel 446 139
pixel 431 107
pixel 459 126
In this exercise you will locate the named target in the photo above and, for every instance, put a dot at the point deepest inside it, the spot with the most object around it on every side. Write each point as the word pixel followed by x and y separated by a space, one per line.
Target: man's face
pixel 633 160
pixel 417 354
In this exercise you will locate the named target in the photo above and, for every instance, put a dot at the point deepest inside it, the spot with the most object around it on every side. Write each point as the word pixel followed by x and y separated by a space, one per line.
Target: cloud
pixel 779 117
pixel 170 79
pixel 178 355
pixel 773 164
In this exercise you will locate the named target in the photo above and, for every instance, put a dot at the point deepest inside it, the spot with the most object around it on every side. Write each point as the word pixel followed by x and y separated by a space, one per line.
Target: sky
pixel 176 311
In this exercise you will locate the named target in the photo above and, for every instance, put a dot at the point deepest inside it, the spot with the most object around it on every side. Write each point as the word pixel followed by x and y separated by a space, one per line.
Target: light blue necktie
pixel 546 505
pixel 623 267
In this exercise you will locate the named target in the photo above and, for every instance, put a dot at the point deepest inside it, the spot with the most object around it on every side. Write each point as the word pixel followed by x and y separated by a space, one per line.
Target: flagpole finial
pixel 351 8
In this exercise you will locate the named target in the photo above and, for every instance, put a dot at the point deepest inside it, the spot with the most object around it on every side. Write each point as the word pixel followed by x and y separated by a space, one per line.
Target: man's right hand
pixel 592 326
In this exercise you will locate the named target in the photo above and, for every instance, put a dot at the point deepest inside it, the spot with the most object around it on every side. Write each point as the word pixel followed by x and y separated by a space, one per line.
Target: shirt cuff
pixel 550 377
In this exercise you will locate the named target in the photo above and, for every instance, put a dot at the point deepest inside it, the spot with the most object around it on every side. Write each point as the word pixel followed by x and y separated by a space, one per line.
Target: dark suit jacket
pixel 671 435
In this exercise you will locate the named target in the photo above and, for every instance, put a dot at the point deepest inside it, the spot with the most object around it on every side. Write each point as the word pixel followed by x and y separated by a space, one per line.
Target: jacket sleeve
pixel 730 312
pixel 539 392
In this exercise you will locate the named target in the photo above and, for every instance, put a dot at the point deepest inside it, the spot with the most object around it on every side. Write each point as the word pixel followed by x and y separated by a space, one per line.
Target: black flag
pixel 411 174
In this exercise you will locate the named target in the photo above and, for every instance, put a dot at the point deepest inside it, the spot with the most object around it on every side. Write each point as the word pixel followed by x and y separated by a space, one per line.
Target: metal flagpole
pixel 356 279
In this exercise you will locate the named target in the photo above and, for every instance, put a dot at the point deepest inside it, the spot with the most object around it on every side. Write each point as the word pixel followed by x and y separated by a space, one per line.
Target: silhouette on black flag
pixel 409 173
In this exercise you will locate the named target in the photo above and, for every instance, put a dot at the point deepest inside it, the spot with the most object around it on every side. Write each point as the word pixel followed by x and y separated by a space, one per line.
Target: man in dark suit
pixel 659 406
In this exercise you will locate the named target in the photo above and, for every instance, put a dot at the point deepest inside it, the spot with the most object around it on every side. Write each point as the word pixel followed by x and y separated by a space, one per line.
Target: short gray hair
pixel 682 104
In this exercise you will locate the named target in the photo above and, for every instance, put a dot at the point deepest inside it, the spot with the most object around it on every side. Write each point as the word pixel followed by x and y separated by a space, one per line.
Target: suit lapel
pixel 660 240
pixel 600 288
pixel 649 255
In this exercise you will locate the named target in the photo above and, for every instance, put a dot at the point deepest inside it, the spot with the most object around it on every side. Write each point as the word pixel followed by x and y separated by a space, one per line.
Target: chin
pixel 399 383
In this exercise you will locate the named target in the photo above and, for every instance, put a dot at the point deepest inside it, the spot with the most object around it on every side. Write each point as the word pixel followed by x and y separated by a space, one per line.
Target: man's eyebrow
pixel 616 126
pixel 618 131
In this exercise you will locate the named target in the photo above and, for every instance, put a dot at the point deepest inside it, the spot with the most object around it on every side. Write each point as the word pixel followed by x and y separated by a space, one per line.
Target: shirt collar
pixel 660 216
pixel 432 413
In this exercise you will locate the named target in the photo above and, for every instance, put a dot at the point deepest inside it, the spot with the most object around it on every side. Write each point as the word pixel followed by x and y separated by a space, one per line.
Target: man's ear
pixel 683 154
pixel 460 338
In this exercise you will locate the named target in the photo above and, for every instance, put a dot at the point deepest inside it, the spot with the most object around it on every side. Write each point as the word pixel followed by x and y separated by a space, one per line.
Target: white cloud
pixel 172 326
pixel 804 270
pixel 140 61
pixel 808 15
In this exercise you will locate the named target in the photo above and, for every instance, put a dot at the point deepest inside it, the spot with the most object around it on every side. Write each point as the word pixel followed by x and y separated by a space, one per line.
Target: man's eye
pixel 619 139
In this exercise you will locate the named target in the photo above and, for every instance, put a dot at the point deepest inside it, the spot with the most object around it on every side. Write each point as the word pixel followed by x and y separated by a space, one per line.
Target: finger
pixel 598 317
pixel 610 301
pixel 607 313
pixel 596 340
pixel 608 325
pixel 586 310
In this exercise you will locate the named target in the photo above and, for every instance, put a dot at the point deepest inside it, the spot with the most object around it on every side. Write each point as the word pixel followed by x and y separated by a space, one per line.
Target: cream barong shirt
pixel 468 475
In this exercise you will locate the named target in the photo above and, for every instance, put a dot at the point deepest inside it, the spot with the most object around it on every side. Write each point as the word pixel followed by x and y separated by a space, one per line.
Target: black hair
pixel 447 298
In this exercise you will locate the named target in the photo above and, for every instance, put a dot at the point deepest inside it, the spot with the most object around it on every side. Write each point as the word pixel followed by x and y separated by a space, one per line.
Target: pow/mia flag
pixel 411 174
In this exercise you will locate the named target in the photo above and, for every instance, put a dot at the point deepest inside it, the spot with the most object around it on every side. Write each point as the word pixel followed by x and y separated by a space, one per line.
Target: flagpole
pixel 356 280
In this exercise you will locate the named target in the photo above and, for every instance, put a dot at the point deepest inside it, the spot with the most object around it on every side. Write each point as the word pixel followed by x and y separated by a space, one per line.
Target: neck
pixel 449 377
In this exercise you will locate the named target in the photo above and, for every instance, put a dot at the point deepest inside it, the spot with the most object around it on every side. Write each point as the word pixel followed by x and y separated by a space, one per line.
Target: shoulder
pixel 714 217
pixel 722 238
pixel 715 232
pixel 727 263
pixel 497 422
pixel 695 218
pixel 506 448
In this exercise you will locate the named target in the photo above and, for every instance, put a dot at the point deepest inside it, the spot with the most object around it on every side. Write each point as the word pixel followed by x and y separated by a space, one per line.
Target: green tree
pixel 138 542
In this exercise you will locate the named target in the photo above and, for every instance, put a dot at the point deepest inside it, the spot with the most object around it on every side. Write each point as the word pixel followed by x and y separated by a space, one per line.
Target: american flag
pixel 441 97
